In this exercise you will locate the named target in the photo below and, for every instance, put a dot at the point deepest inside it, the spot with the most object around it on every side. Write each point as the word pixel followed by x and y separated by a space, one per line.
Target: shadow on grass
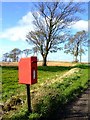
pixel 10 67
pixel 53 68
pixel 62 68
pixel 82 66
pixel 22 116
pixel 41 68
pixel 64 111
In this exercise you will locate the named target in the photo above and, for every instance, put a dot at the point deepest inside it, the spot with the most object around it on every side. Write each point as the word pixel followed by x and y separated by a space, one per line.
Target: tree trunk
pixel 80 57
pixel 80 52
pixel 76 54
pixel 44 61
pixel 76 60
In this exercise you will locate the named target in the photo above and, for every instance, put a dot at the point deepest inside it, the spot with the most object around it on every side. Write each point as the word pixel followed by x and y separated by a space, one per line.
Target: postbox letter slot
pixel 34 61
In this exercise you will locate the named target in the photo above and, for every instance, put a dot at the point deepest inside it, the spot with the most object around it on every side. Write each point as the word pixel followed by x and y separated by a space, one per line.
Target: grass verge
pixel 49 101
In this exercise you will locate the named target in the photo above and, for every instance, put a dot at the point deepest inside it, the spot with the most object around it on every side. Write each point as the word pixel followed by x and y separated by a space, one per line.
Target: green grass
pixel 51 98
pixel 60 94
pixel 10 84
pixel 0 84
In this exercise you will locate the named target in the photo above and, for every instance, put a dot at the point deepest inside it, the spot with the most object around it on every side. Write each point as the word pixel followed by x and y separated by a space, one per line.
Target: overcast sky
pixel 17 22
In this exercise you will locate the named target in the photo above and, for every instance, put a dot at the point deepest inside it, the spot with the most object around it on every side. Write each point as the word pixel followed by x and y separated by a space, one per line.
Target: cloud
pixel 25 25
pixel 26 20
pixel 19 32
pixel 80 25
pixel 15 33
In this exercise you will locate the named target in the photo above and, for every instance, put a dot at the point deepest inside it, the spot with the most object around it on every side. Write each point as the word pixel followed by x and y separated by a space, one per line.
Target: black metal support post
pixel 28 98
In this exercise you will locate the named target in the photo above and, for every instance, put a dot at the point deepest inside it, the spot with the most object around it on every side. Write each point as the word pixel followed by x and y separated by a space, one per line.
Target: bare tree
pixel 27 52
pixel 77 44
pixel 5 57
pixel 14 54
pixel 50 22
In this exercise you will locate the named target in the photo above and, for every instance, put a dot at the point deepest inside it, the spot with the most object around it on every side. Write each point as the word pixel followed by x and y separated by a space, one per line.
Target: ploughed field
pixel 56 86
pixel 39 63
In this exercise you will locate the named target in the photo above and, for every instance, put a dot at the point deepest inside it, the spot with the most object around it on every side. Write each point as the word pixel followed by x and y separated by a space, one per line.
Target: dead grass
pixel 60 78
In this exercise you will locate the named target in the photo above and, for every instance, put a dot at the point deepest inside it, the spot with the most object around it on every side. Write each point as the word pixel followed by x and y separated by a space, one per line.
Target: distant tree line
pixel 15 54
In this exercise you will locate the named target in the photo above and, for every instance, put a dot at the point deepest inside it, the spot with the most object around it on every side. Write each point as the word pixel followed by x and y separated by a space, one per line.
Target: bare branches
pixel 50 20
pixel 76 44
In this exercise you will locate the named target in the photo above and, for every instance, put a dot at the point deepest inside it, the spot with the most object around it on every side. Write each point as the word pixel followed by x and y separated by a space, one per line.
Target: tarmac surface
pixel 79 109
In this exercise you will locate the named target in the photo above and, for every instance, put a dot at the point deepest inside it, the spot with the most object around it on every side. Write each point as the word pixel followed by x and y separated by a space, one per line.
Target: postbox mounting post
pixel 28 98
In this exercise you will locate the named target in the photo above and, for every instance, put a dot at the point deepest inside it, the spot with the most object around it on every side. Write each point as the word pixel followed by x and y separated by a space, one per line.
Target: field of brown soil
pixel 8 63
pixel 57 63
pixel 49 63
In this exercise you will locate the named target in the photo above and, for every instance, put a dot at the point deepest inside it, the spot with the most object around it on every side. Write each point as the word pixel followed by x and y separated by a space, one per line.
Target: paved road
pixel 80 109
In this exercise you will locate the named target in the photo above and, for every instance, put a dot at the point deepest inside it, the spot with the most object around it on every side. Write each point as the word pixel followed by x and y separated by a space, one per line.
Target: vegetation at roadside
pixel 10 79
pixel 48 100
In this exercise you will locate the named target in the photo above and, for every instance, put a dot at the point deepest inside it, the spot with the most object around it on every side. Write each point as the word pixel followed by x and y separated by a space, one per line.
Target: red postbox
pixel 28 70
